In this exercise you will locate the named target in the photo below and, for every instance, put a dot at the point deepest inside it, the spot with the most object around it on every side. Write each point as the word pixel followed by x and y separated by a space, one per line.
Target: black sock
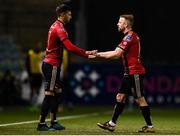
pixel 45 108
pixel 54 107
pixel 146 114
pixel 118 109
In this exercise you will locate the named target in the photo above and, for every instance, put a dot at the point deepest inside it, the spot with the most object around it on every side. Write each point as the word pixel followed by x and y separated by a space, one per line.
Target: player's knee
pixel 141 101
pixel 49 93
pixel 120 97
pixel 57 89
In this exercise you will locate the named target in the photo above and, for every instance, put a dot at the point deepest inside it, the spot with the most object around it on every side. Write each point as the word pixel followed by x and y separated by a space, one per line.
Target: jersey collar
pixel 60 22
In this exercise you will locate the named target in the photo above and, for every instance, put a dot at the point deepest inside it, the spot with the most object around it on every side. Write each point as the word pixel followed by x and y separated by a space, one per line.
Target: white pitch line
pixel 59 118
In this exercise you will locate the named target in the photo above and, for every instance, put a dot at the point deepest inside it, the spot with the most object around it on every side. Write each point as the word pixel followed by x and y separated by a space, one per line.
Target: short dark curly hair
pixel 62 8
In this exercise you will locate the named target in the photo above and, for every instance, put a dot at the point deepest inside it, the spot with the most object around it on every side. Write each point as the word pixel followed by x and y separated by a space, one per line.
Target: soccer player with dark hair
pixel 57 40
pixel 132 83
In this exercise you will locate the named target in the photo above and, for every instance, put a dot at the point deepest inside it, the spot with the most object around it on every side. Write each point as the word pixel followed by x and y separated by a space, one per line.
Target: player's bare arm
pixel 117 53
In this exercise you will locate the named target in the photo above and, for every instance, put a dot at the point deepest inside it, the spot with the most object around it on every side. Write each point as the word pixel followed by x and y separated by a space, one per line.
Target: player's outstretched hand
pixel 91 56
pixel 93 52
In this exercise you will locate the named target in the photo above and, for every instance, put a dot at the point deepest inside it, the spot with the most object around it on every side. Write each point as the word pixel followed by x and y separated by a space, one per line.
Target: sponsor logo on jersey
pixel 128 38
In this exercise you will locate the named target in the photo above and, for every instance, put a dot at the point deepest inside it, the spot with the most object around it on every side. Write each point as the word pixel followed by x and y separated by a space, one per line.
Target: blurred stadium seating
pixel 10 56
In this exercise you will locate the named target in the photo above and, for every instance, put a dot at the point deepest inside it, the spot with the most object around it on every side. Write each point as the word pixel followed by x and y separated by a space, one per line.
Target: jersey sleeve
pixel 126 42
pixel 72 48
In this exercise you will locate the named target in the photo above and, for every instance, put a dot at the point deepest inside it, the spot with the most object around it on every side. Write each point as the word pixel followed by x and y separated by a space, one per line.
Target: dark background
pixel 156 22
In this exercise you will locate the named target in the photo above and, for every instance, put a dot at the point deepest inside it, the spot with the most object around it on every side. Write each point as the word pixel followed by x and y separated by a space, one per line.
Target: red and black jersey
pixel 57 38
pixel 131 56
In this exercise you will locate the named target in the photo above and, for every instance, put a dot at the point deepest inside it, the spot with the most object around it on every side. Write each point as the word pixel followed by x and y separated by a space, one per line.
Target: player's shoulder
pixel 56 24
pixel 136 35
pixel 130 36
pixel 59 26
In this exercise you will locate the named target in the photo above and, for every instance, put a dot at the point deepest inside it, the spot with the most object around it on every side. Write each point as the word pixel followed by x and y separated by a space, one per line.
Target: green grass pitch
pixel 81 120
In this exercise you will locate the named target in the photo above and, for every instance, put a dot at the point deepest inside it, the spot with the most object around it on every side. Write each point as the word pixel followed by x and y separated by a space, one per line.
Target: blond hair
pixel 129 18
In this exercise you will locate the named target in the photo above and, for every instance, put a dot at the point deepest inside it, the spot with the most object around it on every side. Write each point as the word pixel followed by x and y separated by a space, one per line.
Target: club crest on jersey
pixel 128 38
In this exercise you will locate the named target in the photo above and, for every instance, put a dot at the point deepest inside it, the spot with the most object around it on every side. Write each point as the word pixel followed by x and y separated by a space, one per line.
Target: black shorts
pixel 52 76
pixel 132 85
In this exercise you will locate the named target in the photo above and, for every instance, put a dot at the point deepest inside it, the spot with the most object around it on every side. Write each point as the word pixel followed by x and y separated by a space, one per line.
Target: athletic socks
pixel 118 109
pixel 45 108
pixel 146 114
pixel 54 106
pixel 112 123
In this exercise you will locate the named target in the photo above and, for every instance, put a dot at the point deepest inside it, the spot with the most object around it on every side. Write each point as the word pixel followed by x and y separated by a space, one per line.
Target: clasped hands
pixel 92 54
